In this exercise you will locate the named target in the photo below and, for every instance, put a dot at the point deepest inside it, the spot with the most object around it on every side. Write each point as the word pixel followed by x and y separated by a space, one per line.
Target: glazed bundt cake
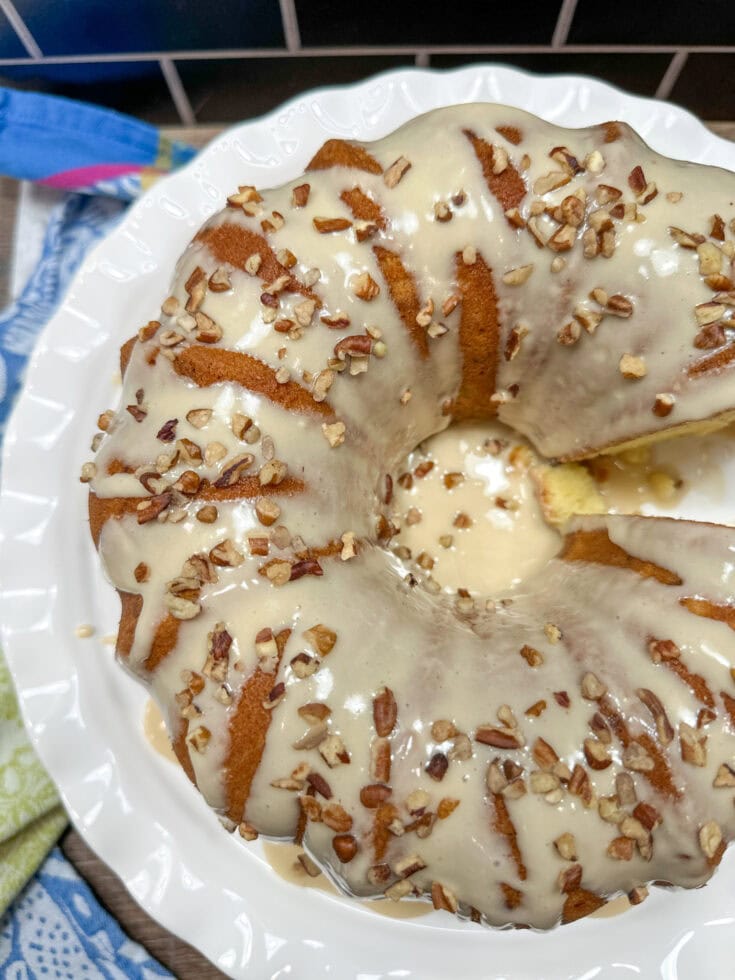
pixel 515 758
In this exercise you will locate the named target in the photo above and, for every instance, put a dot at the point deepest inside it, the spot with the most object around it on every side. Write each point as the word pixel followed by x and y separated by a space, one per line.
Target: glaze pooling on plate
pixel 491 755
pixel 138 814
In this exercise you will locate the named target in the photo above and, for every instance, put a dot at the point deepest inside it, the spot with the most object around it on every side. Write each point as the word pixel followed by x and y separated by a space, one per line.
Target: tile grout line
pixel 290 25
pixel 244 54
pixel 563 23
pixel 21 29
pixel 671 75
pixel 423 58
pixel 178 92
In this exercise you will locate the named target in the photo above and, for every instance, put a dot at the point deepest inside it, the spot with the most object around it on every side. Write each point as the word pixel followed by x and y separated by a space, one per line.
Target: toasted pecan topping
pixel 385 712
pixel 345 847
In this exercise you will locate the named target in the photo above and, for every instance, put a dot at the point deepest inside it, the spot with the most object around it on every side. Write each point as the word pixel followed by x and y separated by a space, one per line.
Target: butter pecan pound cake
pixel 517 758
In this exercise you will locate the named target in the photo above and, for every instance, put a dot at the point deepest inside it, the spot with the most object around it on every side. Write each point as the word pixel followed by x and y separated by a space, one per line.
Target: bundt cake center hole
pixel 468 512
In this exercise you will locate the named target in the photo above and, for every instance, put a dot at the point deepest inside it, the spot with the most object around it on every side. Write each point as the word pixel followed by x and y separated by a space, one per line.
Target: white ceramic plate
pixel 84 713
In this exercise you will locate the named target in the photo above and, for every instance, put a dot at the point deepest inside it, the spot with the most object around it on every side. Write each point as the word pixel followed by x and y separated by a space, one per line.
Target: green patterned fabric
pixel 31 818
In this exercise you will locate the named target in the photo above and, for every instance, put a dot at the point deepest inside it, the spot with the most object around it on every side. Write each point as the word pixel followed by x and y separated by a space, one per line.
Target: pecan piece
pixel 345 847
pixel 499 738
pixel 437 766
pixel 167 432
pixel 336 818
pixel 663 725
pixel 310 566
pixel 443 898
pixel 326 226
pixel 151 508
pixel 300 195
pixel 319 784
pixel 234 472
pixel 570 878
pixel 385 712
pixel 374 795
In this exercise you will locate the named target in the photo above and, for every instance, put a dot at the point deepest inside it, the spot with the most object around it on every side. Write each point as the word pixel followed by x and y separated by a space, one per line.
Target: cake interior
pixel 479 511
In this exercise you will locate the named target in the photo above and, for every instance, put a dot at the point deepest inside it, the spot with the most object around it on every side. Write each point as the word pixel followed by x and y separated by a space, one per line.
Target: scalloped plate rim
pixel 59 702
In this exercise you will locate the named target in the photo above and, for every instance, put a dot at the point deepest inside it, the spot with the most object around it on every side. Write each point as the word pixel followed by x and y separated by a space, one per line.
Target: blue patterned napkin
pixel 57 928
pixel 76 224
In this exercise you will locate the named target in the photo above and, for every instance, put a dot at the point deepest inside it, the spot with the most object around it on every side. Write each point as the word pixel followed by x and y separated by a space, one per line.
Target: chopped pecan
pixel 374 795
pixel 543 754
pixel 345 847
pixel 314 712
pixel 446 807
pixel 149 509
pixel 395 173
pixel 621 848
pixel 648 815
pixel 226 555
pixel 300 195
pixel 309 566
pixel 592 687
pixel 595 752
pixel 636 758
pixel 358 345
pixel 443 898
pixel 321 638
pixel 336 818
pixel 325 226
pixel 319 784
pixel 437 766
pixel 570 878
pixel 409 865
pixel 663 725
pixel 566 847
pixel 499 738
pixel 385 712
pixel 207 514
pixel 167 432
pixel 693 745
pixel 710 839
pixel 580 785
pixel 332 750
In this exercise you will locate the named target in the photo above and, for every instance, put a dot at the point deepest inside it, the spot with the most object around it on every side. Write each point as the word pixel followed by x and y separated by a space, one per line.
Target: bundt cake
pixel 516 758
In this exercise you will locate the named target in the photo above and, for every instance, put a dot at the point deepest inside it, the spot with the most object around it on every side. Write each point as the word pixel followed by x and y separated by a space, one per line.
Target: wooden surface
pixel 180 958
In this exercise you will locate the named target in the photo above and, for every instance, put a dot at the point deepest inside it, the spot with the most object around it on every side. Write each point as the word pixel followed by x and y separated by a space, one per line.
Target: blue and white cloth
pixel 76 224
pixel 57 929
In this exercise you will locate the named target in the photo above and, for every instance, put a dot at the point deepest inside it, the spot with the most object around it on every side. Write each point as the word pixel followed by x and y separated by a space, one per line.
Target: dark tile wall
pixel 706 85
pixel 137 88
pixel 10 44
pixel 633 22
pixel 230 90
pixel 217 61
pixel 68 27
pixel 457 22
pixel 638 73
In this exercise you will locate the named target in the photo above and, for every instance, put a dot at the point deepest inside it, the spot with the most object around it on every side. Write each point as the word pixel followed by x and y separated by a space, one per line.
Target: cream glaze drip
pixel 284 859
pixel 156 732
pixel 439 665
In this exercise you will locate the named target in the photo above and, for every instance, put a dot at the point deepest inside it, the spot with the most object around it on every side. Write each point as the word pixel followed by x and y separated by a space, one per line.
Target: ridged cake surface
pixel 517 758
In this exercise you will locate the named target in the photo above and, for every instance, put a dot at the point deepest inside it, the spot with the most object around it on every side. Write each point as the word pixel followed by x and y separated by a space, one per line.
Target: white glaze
pixel 437 665
pixel 507 541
